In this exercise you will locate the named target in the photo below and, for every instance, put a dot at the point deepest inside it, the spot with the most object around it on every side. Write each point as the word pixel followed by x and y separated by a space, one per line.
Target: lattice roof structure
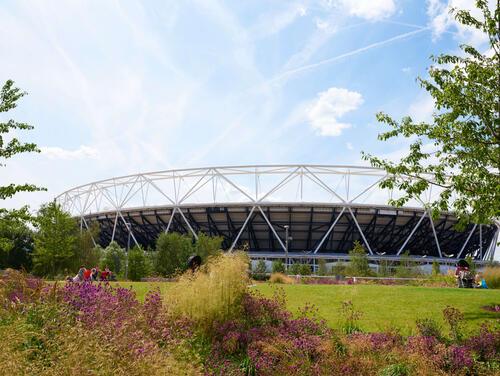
pixel 306 211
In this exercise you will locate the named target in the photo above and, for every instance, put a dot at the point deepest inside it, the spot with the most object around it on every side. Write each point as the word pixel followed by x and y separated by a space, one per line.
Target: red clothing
pixel 86 274
pixel 104 275
pixel 461 269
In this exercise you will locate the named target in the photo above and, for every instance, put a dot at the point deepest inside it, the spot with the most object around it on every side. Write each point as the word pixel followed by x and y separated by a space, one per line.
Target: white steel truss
pixel 346 187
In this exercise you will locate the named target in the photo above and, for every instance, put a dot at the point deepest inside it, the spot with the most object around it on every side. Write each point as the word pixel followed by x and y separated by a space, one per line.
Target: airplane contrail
pixel 347 54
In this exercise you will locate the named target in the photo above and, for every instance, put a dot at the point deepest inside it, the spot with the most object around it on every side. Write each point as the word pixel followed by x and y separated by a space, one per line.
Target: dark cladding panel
pixel 386 229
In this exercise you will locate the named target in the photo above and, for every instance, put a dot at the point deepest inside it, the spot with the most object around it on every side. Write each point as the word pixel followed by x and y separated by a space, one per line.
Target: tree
pixel 358 266
pixel 206 246
pixel 294 269
pixel 172 252
pixel 472 264
pixel 16 239
pixel 260 267
pixel 339 269
pixel 322 269
pixel 436 268
pixel 88 253
pixel 305 269
pixel 464 136
pixel 383 268
pixel 278 266
pixel 137 264
pixel 9 95
pixel 114 258
pixel 406 268
pixel 55 241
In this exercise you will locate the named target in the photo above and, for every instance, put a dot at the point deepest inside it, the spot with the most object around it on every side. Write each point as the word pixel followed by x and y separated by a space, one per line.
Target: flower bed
pixel 98 329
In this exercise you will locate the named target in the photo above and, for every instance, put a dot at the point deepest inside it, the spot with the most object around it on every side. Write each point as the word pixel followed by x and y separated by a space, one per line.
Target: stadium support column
pixel 129 229
pixel 235 241
pixel 435 236
pixel 114 227
pixel 466 241
pixel 271 227
pixel 87 227
pixel 493 245
pixel 411 233
pixel 360 231
pixel 329 230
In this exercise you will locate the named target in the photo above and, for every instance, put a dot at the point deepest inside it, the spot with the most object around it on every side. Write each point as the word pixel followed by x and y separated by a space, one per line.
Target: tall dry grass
pixel 492 276
pixel 73 350
pixel 281 278
pixel 213 293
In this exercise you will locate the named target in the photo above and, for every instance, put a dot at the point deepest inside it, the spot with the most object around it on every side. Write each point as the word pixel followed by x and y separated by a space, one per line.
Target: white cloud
pixel 330 107
pixel 441 20
pixel 406 70
pixel 83 152
pixel 422 108
pixel 371 10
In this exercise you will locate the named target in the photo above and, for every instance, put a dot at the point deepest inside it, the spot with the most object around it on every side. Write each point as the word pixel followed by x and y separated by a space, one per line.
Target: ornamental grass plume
pixel 212 294
pixel 492 276
pixel 281 278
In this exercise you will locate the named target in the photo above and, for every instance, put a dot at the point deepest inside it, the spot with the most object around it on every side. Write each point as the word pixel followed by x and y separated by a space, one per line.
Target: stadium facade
pixel 277 211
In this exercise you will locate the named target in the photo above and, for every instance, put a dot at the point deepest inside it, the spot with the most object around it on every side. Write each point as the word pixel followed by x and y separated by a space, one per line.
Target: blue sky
pixel 119 87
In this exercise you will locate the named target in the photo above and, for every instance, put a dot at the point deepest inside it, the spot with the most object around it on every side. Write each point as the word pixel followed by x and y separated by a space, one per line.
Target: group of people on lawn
pixel 93 274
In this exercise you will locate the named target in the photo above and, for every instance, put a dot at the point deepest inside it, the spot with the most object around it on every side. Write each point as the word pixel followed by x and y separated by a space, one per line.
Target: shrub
pixel 399 369
pixel 259 272
pixel 486 344
pixel 137 264
pixel 406 268
pixel 172 252
pixel 89 329
pixel 206 246
pixel 436 269
pixel 17 288
pixel 339 268
pixel 322 269
pixel 213 293
pixel 428 327
pixel 294 269
pixel 260 267
pixel 350 317
pixel 358 266
pixel 305 269
pixel 114 258
pixel 278 266
pixel 384 270
pixel 492 276
pixel 441 280
pixel 281 278
pixel 453 317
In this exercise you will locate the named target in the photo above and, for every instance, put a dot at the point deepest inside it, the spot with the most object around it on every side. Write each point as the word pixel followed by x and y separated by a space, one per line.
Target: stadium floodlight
pixel 286 246
pixel 129 228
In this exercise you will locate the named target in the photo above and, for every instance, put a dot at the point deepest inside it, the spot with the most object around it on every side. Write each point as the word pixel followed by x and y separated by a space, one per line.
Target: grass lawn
pixel 383 307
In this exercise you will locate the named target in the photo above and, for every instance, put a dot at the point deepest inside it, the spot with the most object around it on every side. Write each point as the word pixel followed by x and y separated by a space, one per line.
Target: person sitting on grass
pixel 95 273
pixel 87 275
pixel 105 274
pixel 80 274
pixel 480 281
pixel 464 277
